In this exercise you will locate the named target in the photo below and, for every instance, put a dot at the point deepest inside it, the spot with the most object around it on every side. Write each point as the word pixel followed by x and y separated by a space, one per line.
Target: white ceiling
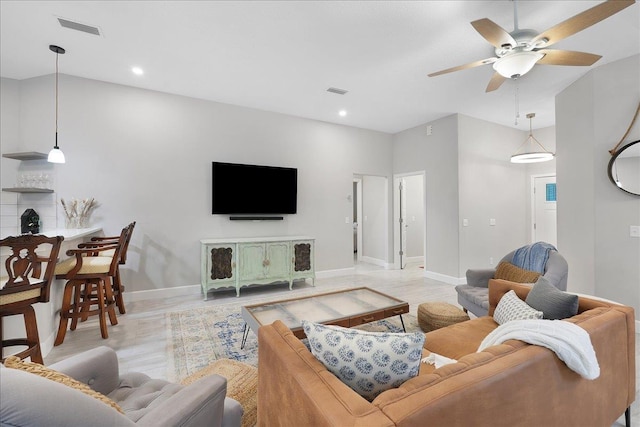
pixel 281 56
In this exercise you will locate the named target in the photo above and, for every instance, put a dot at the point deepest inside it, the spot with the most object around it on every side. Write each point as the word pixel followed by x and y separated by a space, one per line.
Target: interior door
pixel 544 209
pixel 402 220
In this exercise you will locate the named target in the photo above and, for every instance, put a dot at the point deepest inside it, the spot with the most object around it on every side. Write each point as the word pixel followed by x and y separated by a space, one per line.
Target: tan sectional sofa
pixel 506 385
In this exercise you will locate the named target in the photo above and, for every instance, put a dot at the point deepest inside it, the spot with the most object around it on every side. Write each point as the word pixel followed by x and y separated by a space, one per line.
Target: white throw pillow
pixel 368 362
pixel 510 307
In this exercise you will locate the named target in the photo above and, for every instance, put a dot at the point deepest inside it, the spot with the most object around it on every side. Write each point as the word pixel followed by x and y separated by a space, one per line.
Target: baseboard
pixel 162 293
pixel 378 262
pixel 444 278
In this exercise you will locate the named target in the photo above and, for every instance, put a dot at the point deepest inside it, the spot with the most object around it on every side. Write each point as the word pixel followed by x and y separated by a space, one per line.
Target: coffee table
pixel 347 308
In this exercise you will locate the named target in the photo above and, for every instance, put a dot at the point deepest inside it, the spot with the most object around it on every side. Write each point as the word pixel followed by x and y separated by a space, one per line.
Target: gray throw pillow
pixel 554 303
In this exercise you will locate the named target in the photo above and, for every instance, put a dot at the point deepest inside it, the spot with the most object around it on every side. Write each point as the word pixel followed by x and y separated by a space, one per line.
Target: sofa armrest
pixel 197 404
pixel 98 368
pixel 295 389
pixel 480 277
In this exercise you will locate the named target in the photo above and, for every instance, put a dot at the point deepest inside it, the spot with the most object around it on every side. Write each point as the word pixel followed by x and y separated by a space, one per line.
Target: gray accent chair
pixel 474 296
pixel 30 400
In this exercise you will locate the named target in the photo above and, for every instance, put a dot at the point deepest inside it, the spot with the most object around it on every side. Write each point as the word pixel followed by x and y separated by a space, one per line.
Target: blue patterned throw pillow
pixel 368 362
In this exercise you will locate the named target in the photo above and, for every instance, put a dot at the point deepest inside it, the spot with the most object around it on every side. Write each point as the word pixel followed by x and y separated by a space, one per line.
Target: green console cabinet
pixel 255 261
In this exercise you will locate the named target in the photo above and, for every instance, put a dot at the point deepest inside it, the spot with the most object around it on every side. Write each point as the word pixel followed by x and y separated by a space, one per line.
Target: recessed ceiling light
pixel 342 113
pixel 137 71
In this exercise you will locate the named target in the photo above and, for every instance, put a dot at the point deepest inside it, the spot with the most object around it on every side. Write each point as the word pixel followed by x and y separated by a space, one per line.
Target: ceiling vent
pixel 79 27
pixel 337 91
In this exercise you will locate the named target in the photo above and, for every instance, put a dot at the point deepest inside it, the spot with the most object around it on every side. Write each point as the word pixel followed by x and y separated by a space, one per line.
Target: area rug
pixel 242 385
pixel 196 338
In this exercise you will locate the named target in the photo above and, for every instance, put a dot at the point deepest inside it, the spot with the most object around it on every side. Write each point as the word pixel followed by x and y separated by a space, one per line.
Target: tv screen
pixel 253 189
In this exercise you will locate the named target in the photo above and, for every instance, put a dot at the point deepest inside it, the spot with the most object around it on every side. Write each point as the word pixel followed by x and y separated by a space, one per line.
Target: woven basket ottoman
pixel 436 315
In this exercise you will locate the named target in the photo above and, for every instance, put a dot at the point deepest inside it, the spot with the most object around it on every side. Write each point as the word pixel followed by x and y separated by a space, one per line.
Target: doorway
pixel 371 227
pixel 357 223
pixel 544 209
pixel 409 223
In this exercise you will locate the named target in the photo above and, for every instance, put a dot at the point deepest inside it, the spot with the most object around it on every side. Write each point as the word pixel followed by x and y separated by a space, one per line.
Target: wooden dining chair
pixel 89 273
pixel 96 242
pixel 24 282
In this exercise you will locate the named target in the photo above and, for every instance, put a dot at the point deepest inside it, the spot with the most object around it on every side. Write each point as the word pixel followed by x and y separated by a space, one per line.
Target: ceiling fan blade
pixel 567 57
pixel 495 82
pixel 465 66
pixel 494 33
pixel 582 20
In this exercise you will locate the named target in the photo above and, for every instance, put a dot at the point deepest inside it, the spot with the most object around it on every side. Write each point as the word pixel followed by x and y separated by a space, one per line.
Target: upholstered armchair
pixel 474 296
pixel 29 399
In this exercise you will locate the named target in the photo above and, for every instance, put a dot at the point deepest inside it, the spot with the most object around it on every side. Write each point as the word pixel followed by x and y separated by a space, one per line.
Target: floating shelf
pixel 26 155
pixel 27 190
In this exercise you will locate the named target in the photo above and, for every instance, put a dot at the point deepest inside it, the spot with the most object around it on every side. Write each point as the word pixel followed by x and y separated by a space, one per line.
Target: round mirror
pixel 624 168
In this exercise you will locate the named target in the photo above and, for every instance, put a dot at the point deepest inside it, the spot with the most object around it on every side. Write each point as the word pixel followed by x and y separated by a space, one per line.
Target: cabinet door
pixel 221 262
pixel 252 261
pixel 302 256
pixel 278 260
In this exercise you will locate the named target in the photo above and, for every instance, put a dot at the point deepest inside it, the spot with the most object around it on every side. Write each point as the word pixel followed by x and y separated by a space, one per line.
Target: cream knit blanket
pixel 569 341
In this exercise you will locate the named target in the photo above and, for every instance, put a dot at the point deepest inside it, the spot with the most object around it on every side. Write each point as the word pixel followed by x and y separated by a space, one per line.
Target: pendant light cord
pixel 615 149
pixel 57 55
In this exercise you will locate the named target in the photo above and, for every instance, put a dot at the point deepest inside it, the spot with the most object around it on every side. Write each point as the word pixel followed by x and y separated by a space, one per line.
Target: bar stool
pixel 19 292
pixel 89 274
pixel 118 287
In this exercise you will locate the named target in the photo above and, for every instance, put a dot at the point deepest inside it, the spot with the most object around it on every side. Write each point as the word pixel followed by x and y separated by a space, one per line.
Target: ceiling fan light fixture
pixel 535 153
pixel 517 64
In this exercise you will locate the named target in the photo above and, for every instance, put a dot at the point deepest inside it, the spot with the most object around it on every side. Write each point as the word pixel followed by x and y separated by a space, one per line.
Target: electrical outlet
pixel 490 260
pixel 492 221
pixel 346 220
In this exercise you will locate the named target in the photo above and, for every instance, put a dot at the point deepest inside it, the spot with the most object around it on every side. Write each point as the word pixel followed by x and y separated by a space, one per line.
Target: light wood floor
pixel 140 336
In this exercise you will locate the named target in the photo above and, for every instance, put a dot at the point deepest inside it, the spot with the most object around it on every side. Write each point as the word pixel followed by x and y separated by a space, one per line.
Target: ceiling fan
pixel 518 51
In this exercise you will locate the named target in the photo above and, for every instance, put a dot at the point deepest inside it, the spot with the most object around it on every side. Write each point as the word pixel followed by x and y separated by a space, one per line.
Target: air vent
pixel 337 91
pixel 79 27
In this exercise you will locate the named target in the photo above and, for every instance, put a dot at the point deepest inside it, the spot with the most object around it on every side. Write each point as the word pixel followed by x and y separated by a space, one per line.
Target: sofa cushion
pixel 554 303
pixel 513 273
pixel 461 339
pixel 15 362
pixel 511 308
pixel 368 362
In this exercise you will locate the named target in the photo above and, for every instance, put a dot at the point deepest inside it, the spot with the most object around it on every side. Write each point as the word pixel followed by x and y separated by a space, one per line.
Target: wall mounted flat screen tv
pixel 253 189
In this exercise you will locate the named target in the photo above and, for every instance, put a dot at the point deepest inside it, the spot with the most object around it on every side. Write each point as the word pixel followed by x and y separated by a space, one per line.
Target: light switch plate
pixel 492 221
pixel 634 230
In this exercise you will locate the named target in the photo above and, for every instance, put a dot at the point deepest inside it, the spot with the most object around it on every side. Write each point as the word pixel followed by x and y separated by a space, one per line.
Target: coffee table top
pixel 363 304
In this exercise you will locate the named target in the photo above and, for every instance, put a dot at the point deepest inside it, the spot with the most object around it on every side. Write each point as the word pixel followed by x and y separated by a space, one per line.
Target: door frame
pixel 396 217
pixel 358 202
pixel 532 195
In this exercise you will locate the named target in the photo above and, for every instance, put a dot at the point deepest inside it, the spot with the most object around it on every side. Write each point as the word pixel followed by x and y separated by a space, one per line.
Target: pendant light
pixel 528 152
pixel 56 155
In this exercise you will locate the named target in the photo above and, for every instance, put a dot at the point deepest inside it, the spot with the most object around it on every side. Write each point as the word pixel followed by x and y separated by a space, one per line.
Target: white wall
pixel 437 155
pixel 9 139
pixel 146 156
pixel 593 215
pixel 491 187
pixel 375 219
